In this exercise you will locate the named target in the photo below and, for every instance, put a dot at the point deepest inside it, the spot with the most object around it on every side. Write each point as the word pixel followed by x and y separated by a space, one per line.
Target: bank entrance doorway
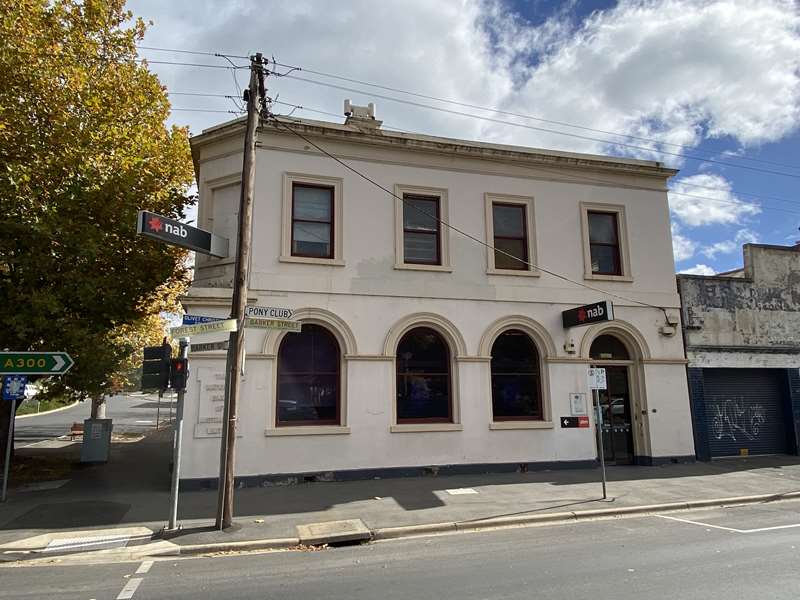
pixel 615 401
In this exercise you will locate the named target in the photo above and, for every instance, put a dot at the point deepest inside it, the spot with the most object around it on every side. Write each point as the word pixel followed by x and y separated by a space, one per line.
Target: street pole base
pixel 166 532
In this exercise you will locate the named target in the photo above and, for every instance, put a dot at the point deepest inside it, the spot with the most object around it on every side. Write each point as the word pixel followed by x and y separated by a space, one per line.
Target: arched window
pixel 608 347
pixel 308 378
pixel 516 384
pixel 423 378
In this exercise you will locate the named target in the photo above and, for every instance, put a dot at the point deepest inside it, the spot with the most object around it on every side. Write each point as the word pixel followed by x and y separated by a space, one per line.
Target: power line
pixel 207 110
pixel 456 229
pixel 534 128
pixel 514 114
pixel 185 64
pixel 197 52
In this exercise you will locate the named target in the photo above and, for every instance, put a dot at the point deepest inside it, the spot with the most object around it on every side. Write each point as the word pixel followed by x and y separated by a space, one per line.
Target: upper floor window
pixel 606 252
pixel 604 243
pixel 312 220
pixel 421 230
pixel 510 236
pixel 421 240
pixel 312 216
pixel 510 231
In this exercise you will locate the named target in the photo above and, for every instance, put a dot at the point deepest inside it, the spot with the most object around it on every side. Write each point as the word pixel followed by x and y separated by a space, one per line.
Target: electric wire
pixel 512 113
pixel 454 228
pixel 534 128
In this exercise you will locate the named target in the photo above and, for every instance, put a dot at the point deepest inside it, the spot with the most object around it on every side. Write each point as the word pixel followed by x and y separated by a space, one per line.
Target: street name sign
pixel 267 312
pixel 574 422
pixel 294 326
pixel 588 314
pixel 174 232
pixel 187 330
pixel 209 346
pixel 195 319
pixel 597 379
pixel 35 363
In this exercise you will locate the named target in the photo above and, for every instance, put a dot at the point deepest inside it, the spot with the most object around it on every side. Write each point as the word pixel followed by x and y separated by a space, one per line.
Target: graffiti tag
pixel 732 417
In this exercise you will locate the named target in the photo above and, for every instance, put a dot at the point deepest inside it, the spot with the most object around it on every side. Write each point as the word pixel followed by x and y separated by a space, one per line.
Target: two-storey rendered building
pixel 420 347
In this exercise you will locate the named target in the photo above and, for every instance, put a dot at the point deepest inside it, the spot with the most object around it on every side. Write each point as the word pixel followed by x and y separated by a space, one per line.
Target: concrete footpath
pixel 132 491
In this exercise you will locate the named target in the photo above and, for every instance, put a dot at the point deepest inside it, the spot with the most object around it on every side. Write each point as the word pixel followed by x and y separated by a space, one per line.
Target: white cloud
pixel 679 70
pixel 743 236
pixel 699 270
pixel 682 247
pixel 713 202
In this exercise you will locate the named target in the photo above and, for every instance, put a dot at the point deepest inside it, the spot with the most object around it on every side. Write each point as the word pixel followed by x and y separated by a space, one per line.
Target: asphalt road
pixel 741 552
pixel 131 414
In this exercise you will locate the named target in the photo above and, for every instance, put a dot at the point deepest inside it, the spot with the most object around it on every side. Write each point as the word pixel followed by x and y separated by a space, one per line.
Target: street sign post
pixel 35 363
pixel 588 314
pixel 174 232
pixel 597 381
pixel 13 390
pixel 188 330
pixel 293 326
pixel 267 312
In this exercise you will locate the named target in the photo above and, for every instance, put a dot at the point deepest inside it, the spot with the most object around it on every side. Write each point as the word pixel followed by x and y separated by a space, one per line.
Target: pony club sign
pixel 588 314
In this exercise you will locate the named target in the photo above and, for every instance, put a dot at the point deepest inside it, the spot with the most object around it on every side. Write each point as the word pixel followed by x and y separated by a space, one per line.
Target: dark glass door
pixel 615 406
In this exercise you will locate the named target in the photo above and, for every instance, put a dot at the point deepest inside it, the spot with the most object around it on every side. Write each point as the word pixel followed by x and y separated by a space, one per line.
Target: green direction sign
pixel 35 363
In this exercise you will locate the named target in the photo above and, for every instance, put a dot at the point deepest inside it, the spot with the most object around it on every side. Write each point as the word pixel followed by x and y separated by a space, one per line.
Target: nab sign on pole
pixel 586 315
pixel 180 234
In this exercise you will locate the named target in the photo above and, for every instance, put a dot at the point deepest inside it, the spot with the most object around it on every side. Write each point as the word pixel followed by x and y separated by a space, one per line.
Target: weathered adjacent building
pixel 742 336
pixel 422 348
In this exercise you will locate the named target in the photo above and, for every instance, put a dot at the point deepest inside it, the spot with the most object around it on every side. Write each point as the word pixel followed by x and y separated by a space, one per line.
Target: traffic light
pixel 155 368
pixel 179 372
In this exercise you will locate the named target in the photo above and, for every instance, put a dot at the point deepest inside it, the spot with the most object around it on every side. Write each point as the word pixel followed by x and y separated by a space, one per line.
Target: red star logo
pixel 155 223
pixel 581 315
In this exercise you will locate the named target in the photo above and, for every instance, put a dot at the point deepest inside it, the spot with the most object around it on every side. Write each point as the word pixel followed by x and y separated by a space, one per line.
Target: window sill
pixel 421 267
pixel 307 260
pixel 514 272
pixel 307 430
pixel 598 277
pixel 423 427
pixel 500 425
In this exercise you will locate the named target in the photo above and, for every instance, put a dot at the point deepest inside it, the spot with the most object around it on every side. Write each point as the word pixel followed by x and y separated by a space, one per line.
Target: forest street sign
pixel 35 363
pixel 180 234
pixel 188 330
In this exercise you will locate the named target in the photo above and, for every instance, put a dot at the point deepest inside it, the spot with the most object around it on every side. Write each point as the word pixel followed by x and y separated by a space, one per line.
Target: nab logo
pixel 178 230
pixel 590 313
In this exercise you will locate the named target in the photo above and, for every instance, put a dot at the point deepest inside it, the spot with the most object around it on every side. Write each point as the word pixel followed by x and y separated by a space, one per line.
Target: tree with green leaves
pixel 83 147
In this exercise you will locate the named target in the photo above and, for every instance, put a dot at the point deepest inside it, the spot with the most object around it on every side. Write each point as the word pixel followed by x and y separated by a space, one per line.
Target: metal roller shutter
pixel 745 409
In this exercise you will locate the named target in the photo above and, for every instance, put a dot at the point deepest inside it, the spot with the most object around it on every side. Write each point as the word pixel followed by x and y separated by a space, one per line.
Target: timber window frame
pixel 623 273
pixel 291 181
pixel 529 234
pixel 442 232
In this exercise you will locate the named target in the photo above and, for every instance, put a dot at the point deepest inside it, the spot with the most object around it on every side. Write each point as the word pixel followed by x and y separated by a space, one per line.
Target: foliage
pixel 83 146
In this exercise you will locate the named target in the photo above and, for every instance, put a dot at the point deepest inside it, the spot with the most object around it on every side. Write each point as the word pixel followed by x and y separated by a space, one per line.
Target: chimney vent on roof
pixel 362 117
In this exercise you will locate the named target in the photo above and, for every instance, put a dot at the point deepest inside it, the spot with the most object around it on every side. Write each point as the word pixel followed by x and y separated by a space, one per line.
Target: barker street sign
pixel 586 315
pixel 35 363
pixel 180 234
pixel 294 326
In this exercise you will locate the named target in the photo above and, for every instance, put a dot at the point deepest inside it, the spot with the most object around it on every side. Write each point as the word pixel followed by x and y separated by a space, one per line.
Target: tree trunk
pixel 99 407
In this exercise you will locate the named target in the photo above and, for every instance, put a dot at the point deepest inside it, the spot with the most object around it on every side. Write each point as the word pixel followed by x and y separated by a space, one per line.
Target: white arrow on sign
pixel 565 422
pixel 60 362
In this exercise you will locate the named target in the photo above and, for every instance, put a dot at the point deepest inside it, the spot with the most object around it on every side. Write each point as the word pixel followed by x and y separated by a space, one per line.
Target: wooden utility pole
pixel 255 95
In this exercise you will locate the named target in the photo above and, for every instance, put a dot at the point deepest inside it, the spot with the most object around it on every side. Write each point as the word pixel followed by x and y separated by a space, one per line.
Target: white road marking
pixel 461 491
pixel 144 567
pixel 130 588
pixel 734 530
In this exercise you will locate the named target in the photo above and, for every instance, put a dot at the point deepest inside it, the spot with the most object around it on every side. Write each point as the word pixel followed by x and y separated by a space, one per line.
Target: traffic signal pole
pixel 176 444
pixel 255 97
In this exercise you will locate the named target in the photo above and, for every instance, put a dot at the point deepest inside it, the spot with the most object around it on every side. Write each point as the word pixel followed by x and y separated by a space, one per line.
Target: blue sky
pixel 715 79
